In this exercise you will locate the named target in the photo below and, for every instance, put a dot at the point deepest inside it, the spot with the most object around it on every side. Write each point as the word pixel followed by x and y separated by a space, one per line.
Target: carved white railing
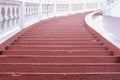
pixel 9 19
pixel 47 10
pixel 62 9
pixel 58 9
pixel 16 15
pixel 31 13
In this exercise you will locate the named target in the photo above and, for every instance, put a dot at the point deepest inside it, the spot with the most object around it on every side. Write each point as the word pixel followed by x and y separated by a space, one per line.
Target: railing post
pixel 22 14
pixel 40 11
pixel 55 9
pixel 70 8
pixel 85 6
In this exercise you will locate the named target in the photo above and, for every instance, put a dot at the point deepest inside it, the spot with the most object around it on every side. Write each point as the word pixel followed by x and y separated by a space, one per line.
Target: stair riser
pixel 55 35
pixel 60 76
pixel 58 39
pixel 82 44
pixel 75 31
pixel 56 48
pixel 58 68
pixel 31 41
pixel 58 36
pixel 58 53
pixel 60 46
pixel 59 60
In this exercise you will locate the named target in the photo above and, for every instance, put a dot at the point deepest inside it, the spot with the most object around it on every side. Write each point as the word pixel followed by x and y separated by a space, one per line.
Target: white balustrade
pixel 9 19
pixel 76 8
pixel 62 9
pixel 31 13
pixel 47 10
pixel 16 15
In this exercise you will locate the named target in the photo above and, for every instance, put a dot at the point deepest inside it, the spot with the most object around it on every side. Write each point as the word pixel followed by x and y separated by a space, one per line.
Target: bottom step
pixel 59 76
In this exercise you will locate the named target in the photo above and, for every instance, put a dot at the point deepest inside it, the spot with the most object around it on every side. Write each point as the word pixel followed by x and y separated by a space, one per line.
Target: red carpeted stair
pixel 60 49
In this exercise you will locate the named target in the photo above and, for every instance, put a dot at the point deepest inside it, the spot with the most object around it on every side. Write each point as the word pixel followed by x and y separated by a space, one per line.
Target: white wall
pixel 111 8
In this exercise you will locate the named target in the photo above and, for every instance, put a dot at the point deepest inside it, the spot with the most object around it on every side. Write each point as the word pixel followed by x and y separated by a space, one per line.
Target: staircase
pixel 60 49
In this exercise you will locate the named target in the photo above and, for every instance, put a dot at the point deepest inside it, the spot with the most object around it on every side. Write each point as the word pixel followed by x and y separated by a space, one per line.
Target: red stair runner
pixel 60 49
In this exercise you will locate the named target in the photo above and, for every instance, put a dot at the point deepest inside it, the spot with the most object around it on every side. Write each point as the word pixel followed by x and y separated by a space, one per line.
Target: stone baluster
pixel 17 16
pixel 13 20
pixel 1 19
pixel 6 18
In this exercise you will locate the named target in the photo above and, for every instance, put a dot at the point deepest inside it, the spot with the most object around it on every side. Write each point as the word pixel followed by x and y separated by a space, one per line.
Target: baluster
pixel 45 13
pixel 6 19
pixel 17 17
pixel 13 20
pixel 1 19
pixel 16 12
pixel 31 14
pixel 9 19
pixel 49 9
pixel 27 14
pixel 34 12
pixel 30 17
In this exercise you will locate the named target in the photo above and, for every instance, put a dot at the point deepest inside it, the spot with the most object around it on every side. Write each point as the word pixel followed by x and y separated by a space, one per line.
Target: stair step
pixel 58 59
pixel 58 46
pixel 59 76
pixel 59 52
pixel 40 36
pixel 57 33
pixel 54 48
pixel 76 31
pixel 59 43
pixel 59 67
pixel 58 39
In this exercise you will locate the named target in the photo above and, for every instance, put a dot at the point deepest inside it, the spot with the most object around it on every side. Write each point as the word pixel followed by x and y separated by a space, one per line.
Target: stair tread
pixel 60 67
pixel 62 73
pixel 59 52
pixel 64 56
pixel 58 59
pixel 65 64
